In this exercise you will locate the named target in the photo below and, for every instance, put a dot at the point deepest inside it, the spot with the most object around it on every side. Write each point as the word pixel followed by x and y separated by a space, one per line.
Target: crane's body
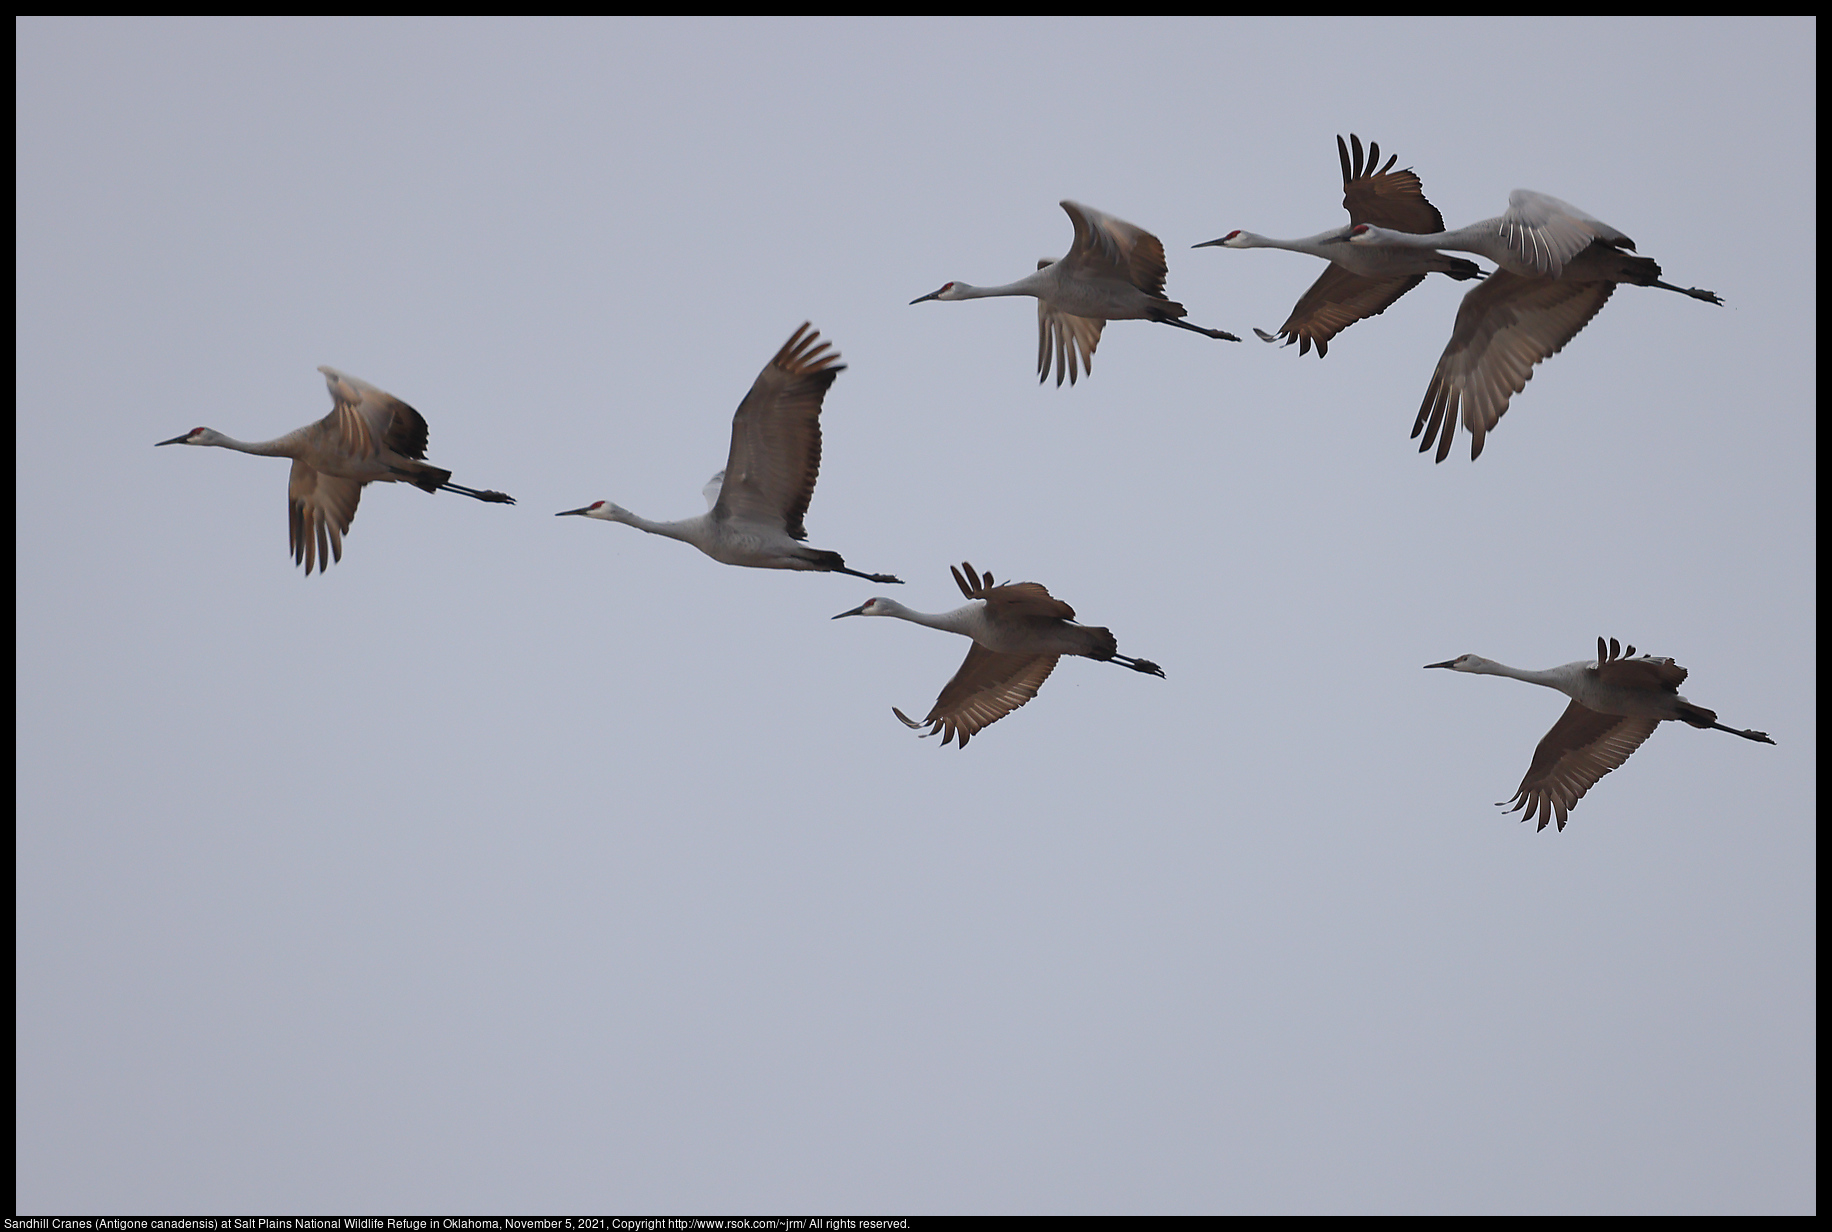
pixel 370 436
pixel 1558 267
pixel 1617 700
pixel 732 540
pixel 762 495
pixel 1019 630
pixel 1365 260
pixel 1539 237
pixel 1363 280
pixel 1536 238
pixel 1113 271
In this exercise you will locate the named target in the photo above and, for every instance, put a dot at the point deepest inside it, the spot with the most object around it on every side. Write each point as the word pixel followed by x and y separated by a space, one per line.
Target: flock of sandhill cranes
pixel 1556 268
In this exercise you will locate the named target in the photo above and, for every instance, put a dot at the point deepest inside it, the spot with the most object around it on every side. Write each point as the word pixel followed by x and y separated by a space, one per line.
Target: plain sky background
pixel 523 864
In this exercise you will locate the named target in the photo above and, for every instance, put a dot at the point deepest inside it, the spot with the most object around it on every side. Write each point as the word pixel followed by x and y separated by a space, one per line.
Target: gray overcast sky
pixel 527 864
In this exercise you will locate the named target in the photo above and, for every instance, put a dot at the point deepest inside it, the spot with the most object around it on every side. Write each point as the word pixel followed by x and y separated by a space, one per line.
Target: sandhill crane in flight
pixel 1617 700
pixel 1113 271
pixel 1361 282
pixel 760 498
pixel 1019 631
pixel 1559 266
pixel 370 436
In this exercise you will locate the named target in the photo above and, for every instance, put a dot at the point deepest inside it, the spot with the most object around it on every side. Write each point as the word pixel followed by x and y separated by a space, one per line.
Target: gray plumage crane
pixel 1113 271
pixel 1559 266
pixel 762 495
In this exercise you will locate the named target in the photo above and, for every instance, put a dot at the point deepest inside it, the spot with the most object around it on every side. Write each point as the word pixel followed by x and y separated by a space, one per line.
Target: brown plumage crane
pixel 370 436
pixel 1360 282
pixel 1019 630
pixel 1617 700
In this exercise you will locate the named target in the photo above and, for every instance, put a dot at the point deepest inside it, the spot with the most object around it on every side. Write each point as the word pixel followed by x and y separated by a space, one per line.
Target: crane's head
pixel 1362 233
pixel 949 290
pixel 1233 239
pixel 1464 663
pixel 874 607
pixel 604 511
pixel 196 436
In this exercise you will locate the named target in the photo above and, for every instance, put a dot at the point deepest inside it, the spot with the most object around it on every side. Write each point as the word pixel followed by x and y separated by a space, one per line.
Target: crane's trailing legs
pixel 1223 334
pixel 1137 665
pixel 834 563
pixel 494 498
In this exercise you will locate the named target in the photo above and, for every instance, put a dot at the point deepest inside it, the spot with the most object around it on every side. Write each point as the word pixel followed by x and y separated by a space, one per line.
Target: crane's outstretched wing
pixel 1018 599
pixel 364 419
pixel 1546 232
pixel 1581 748
pixel 319 510
pixel 1379 198
pixel 1066 338
pixel 1109 247
pixel 1647 673
pixel 1336 301
pixel 1384 197
pixel 776 436
pixel 1504 327
pixel 988 686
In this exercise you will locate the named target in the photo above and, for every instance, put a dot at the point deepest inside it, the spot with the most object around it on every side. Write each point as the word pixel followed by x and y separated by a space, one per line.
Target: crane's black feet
pixel 883 579
pixel 1223 334
pixel 495 498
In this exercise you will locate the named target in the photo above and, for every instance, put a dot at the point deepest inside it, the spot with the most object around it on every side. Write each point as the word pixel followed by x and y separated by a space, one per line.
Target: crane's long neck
pixel 967 620
pixel 1460 239
pixel 693 530
pixel 279 447
pixel 1035 284
pixel 1483 238
pixel 1322 245
pixel 1552 678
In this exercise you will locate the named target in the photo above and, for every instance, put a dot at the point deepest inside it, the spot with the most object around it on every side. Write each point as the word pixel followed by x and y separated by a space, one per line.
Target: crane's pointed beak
pixel 857 611
pixel 1446 663
pixel 176 440
pixel 569 512
pixel 931 295
pixel 1208 243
